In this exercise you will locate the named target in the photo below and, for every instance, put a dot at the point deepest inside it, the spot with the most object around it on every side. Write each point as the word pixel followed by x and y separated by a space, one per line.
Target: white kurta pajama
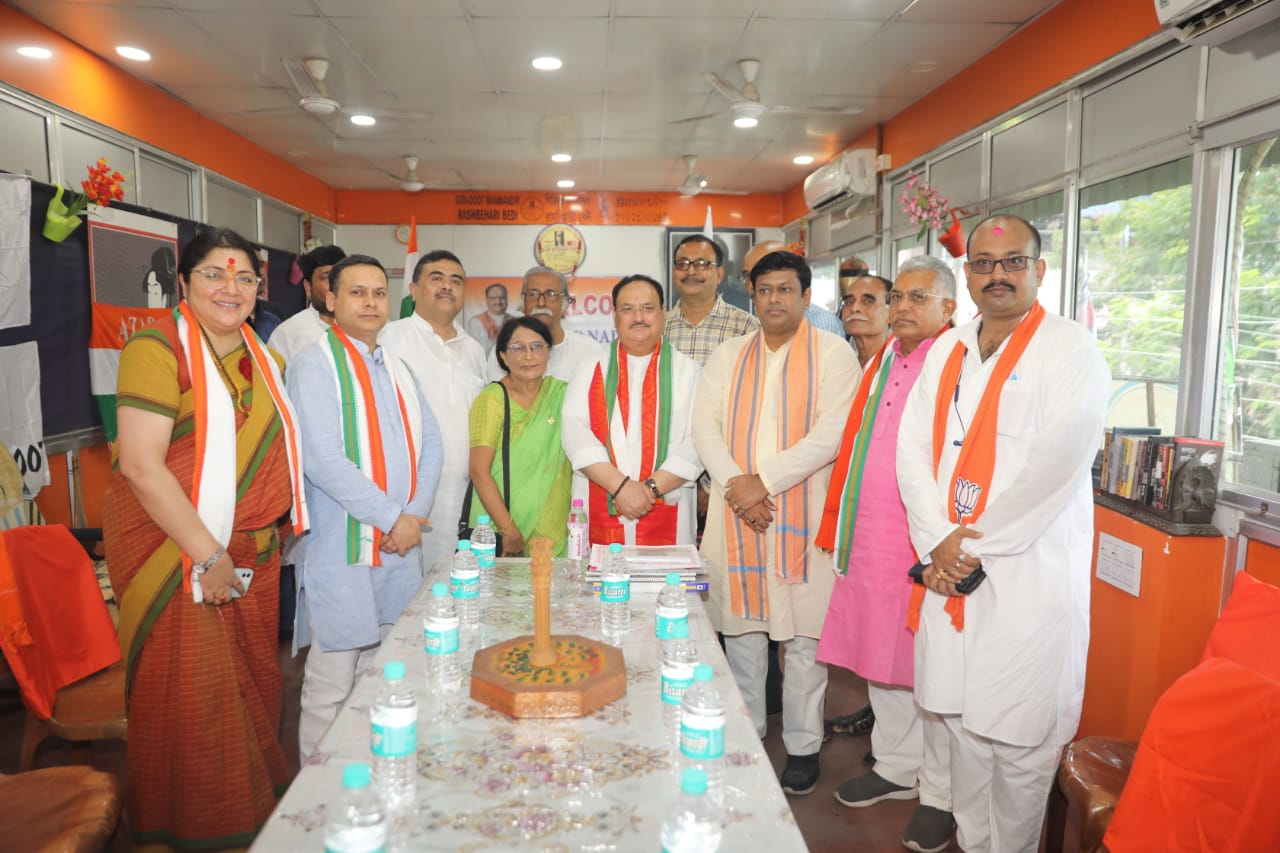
pixel 451 374
pixel 584 449
pixel 1011 684
pixel 796 610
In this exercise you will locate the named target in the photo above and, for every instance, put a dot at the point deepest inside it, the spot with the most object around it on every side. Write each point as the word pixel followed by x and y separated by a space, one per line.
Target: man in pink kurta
pixel 865 523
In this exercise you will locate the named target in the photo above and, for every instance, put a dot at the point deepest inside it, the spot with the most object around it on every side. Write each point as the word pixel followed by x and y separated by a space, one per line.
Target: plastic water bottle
pixel 615 594
pixel 672 608
pixel 579 545
pixel 441 631
pixel 357 824
pixel 464 583
pixel 484 543
pixel 702 731
pixel 679 657
pixel 692 823
pixel 394 741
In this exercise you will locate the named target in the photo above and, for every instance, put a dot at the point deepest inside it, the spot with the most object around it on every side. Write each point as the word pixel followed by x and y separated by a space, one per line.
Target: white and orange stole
pixel 970 483
pixel 797 408
pixel 213 483
pixel 362 432
pixel 610 392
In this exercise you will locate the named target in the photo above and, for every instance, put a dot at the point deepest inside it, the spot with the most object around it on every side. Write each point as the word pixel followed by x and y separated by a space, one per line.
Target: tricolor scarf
pixel 362 433
pixel 841 509
pixel 797 407
pixel 971 480
pixel 610 392
pixel 213 483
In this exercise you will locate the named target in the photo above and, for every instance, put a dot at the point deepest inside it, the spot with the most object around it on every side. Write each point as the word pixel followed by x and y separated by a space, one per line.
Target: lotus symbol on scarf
pixel 966 498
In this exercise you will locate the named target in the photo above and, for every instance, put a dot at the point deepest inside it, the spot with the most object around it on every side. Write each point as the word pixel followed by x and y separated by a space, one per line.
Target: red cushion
pixel 1247 629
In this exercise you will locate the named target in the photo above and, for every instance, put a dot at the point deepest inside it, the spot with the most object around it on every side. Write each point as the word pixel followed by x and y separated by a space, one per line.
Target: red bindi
pixel 997 230
pixel 231 264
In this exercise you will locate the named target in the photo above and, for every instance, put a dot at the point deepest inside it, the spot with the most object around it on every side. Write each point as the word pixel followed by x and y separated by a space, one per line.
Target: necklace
pixel 237 395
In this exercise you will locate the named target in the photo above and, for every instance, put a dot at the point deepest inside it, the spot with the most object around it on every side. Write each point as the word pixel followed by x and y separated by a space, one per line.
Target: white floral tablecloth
pixel 489 782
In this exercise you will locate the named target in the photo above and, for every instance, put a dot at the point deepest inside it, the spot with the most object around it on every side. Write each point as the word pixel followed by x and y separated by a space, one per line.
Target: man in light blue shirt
pixel 361 563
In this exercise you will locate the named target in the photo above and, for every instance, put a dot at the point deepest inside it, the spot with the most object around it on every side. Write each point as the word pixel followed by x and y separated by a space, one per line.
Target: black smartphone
pixel 966 586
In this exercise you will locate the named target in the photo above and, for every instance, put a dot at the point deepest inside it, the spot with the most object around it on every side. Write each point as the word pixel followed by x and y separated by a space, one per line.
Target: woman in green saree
pixel 540 474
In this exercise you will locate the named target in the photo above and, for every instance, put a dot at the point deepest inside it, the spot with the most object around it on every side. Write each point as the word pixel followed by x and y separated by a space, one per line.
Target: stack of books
pixel 1141 465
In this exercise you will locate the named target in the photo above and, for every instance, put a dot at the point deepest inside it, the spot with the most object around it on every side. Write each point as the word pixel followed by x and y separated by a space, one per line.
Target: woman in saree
pixel 540 473
pixel 206 467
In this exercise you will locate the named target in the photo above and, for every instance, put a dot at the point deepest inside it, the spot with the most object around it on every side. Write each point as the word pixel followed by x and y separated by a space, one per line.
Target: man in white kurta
pixel 449 366
pixel 309 325
pixel 545 295
pixel 796 607
pixel 653 503
pixel 1008 685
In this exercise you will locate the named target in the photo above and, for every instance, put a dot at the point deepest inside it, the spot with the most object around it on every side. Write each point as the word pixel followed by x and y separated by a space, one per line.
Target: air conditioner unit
pixel 847 180
pixel 1210 22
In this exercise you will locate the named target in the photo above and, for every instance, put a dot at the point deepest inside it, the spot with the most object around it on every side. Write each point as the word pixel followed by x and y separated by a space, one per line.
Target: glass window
pixel 1046 214
pixel 1248 411
pixel 230 207
pixel 823 283
pixel 1132 273
pixel 23 146
pixel 165 187
pixel 907 247
pixel 81 149
pixel 281 227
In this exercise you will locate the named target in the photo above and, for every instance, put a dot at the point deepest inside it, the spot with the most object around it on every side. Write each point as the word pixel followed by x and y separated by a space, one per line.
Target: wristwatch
pixel 207 564
pixel 652 485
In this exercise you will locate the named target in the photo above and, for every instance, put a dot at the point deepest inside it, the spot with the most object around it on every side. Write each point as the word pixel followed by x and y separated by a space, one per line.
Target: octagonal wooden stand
pixel 565 675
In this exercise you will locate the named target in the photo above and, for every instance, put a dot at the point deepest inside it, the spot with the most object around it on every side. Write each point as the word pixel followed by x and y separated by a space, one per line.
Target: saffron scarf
pixel 362 431
pixel 841 508
pixel 213 483
pixel 970 483
pixel 797 408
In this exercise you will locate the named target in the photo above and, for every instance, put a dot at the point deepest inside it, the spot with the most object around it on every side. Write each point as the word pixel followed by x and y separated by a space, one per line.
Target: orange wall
pixel 89 85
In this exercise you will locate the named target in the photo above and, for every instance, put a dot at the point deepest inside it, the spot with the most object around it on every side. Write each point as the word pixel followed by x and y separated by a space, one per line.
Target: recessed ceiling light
pixel 33 52
pixel 363 120
pixel 547 63
pixel 924 66
pixel 802 160
pixel 565 184
pixel 571 198
pixel 135 53
pixel 561 158
pixel 745 121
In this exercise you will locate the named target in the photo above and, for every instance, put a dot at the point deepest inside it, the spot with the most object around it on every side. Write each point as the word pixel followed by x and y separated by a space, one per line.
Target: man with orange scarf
pixel 865 525
pixel 994 453
pixel 373 454
pixel 626 422
pixel 768 416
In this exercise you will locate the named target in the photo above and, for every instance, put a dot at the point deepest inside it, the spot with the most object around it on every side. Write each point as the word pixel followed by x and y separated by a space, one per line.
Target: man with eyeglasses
pixel 309 325
pixel 701 320
pixel 818 317
pixel 768 415
pixel 994 453
pixel 484 327
pixel 449 366
pixel 865 525
pixel 545 295
pixel 626 427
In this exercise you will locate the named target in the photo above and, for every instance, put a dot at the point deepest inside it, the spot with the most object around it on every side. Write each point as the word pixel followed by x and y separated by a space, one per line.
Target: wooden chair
pixel 59 810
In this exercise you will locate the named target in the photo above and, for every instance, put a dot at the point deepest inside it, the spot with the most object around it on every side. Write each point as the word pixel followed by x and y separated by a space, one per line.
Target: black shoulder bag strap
pixel 464 523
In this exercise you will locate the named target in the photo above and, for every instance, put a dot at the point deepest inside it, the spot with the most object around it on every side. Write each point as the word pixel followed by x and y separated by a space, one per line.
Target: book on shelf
pixel 1140 465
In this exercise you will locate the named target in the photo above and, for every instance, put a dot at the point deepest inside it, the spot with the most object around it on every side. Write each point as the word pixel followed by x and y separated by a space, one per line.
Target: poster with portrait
pixel 133 259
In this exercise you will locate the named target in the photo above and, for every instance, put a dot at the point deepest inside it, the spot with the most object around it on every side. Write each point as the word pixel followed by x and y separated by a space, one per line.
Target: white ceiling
pixel 631 68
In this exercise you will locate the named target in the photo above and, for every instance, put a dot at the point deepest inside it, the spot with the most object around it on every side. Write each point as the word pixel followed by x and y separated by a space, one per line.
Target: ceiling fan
pixel 410 182
pixel 745 105
pixel 308 77
pixel 695 183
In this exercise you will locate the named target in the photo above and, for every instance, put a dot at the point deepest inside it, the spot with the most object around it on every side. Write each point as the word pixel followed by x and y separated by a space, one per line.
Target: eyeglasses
pixel 764 291
pixel 537 348
pixel 986 266
pixel 627 310
pixel 917 297
pixel 535 295
pixel 701 264
pixel 217 275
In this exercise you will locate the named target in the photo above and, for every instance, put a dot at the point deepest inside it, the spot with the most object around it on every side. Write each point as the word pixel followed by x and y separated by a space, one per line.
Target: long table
pixel 489 782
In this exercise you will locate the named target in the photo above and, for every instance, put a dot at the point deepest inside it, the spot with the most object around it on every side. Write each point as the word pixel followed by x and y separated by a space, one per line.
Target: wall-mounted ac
pixel 847 181
pixel 1210 22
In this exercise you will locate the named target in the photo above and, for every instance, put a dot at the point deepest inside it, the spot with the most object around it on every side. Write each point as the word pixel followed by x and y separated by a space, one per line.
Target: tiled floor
pixel 827 826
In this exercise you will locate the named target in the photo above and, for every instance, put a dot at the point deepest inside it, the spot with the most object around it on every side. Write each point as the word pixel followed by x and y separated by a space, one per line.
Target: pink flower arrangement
pixel 922 204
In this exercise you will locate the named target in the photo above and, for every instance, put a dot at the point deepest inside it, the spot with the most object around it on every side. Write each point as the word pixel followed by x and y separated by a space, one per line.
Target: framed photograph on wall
pixel 736 242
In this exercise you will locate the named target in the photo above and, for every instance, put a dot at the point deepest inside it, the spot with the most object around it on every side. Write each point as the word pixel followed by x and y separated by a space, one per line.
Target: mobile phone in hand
pixel 246 577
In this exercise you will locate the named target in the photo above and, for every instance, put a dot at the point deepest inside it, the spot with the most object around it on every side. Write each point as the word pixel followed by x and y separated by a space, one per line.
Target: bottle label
pixel 486 555
pixel 701 738
pixel 464 584
pixel 614 591
pixel 664 627
pixel 357 839
pixel 441 636
pixel 577 546
pixel 676 678
pixel 395 732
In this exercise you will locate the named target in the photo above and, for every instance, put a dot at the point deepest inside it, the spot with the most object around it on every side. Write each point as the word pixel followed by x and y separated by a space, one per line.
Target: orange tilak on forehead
pixel 231 264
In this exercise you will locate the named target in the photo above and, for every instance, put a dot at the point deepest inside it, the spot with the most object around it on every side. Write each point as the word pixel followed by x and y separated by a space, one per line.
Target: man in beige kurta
pixel 795 608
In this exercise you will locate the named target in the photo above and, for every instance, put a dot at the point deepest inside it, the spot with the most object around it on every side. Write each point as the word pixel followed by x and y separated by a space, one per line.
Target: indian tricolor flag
pixel 112 327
